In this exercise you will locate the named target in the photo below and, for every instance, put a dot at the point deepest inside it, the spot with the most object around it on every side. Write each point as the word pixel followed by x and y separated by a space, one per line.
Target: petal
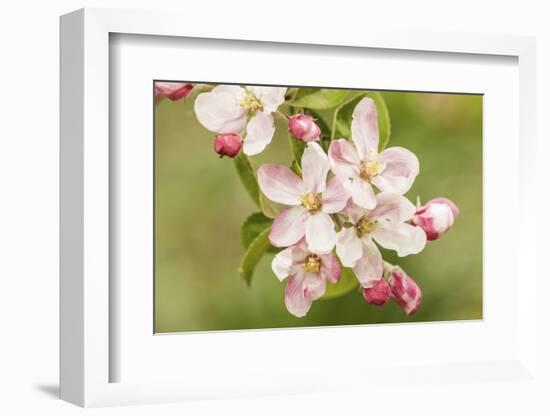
pixel 320 233
pixel 344 160
pixel 289 226
pixel 220 110
pixel 364 128
pixel 401 169
pixel 281 263
pixel 271 97
pixel 348 247
pixel 336 196
pixel 315 167
pixel 280 184
pixel 259 133
pixel 330 268
pixel 314 285
pixel 363 194
pixel 300 252
pixel 392 207
pixel 404 238
pixel 295 301
pixel 369 268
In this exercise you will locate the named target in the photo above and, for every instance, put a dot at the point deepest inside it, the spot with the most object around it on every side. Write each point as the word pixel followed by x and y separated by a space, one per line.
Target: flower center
pixel 368 170
pixel 312 263
pixel 365 226
pixel 311 202
pixel 251 102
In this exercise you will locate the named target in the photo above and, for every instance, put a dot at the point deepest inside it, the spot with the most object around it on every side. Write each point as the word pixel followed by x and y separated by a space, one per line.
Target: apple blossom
pixel 436 217
pixel 227 145
pixel 393 170
pixel 172 90
pixel 387 225
pixel 405 291
pixel 378 294
pixel 308 273
pixel 227 109
pixel 311 200
pixel 303 127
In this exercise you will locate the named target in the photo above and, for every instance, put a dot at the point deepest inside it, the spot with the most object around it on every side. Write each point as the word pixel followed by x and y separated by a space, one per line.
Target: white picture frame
pixel 87 329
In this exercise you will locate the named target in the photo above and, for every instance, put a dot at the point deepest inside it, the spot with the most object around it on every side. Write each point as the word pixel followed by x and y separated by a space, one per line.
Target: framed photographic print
pixel 233 226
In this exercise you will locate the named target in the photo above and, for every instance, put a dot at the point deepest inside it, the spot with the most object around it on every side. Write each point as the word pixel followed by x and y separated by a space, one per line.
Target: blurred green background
pixel 200 205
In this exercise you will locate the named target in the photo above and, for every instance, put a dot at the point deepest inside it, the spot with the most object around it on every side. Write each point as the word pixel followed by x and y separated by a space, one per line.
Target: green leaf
pixel 253 255
pixel 319 99
pixel 252 227
pixel 346 284
pixel 247 173
pixel 295 167
pixel 343 115
pixel 297 147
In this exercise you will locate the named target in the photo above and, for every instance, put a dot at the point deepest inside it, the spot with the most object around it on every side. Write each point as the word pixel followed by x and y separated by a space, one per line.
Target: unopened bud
pixel 379 294
pixel 227 145
pixel 303 127
pixel 436 217
pixel 405 291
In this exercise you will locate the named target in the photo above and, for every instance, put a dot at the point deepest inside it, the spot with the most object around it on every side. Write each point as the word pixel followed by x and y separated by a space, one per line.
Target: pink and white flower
pixel 387 225
pixel 405 291
pixel 227 108
pixel 436 217
pixel 308 273
pixel 394 170
pixel 311 200
pixel 172 90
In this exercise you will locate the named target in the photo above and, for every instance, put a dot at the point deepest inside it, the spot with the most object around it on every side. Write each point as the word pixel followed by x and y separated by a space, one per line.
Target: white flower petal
pixel 344 160
pixel 401 168
pixel 363 194
pixel 348 247
pixel 280 184
pixel 220 110
pixel 336 195
pixel 369 267
pixel 295 300
pixel 259 133
pixel 330 267
pixel 289 226
pixel 364 128
pixel 404 238
pixel 320 233
pixel 315 167
pixel 270 97
pixel 281 263
pixel 392 207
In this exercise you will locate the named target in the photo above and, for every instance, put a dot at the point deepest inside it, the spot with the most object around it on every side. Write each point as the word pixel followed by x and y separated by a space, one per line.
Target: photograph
pixel 290 207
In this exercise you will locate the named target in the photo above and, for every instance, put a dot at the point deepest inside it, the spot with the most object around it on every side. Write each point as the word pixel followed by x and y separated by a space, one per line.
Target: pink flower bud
pixel 436 217
pixel 227 144
pixel 379 294
pixel 172 90
pixel 405 291
pixel 303 127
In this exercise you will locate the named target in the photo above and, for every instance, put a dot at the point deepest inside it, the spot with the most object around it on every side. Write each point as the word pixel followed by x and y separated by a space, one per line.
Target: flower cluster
pixel 343 200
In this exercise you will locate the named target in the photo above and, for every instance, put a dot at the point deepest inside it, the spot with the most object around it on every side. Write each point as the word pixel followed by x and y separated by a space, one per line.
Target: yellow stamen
pixel 368 170
pixel 312 263
pixel 365 226
pixel 251 102
pixel 311 202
